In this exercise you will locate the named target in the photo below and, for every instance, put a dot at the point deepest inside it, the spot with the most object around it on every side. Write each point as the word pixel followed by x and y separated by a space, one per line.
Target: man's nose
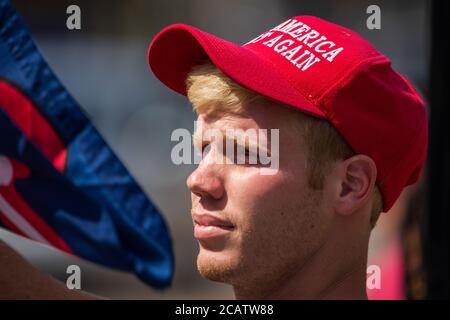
pixel 205 182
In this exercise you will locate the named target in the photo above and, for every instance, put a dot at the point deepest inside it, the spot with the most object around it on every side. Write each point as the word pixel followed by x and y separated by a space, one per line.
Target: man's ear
pixel 356 182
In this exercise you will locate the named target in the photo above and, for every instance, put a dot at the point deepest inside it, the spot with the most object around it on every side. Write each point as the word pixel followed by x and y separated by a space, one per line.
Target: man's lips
pixel 209 226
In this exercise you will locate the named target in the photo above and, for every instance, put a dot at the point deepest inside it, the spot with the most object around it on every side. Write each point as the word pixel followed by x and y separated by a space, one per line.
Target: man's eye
pixel 251 157
pixel 205 148
pixel 245 156
pixel 249 154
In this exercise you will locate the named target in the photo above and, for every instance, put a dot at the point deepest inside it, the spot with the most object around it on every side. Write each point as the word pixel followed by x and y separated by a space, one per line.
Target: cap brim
pixel 178 48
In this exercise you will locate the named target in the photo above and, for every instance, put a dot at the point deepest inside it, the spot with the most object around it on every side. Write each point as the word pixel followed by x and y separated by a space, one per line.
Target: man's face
pixel 252 228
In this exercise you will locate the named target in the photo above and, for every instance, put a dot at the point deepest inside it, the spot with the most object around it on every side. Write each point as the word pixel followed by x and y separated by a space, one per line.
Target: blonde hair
pixel 210 91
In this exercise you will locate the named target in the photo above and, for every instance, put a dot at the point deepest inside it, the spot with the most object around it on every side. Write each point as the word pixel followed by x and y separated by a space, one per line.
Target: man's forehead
pixel 255 117
pixel 240 129
pixel 224 122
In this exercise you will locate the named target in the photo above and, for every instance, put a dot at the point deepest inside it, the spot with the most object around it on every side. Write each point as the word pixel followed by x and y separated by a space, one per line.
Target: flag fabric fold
pixel 60 183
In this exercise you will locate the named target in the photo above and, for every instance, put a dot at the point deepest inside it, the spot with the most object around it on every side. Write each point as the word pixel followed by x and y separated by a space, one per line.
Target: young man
pixel 352 135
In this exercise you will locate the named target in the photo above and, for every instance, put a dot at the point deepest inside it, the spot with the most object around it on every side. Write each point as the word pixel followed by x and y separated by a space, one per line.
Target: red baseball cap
pixel 324 70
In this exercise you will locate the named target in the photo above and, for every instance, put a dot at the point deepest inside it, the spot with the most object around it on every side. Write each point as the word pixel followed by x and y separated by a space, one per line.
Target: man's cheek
pixel 262 224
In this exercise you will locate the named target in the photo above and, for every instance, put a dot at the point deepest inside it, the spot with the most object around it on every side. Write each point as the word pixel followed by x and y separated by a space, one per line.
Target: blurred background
pixel 104 66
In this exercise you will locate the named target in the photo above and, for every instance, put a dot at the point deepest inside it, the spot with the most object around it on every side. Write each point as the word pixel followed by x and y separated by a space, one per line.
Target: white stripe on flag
pixel 20 222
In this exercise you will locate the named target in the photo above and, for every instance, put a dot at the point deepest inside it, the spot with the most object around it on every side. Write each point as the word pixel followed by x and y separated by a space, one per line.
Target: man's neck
pixel 349 286
pixel 326 275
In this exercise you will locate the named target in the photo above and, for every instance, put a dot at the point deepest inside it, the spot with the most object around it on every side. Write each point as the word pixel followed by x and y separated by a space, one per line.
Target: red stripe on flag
pixel 21 207
pixel 40 132
pixel 31 122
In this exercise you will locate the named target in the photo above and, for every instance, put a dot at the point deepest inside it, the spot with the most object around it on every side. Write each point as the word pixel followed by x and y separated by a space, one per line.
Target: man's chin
pixel 216 266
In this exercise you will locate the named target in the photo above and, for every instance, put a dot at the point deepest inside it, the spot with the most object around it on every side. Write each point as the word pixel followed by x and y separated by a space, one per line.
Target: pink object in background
pixel 391 262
